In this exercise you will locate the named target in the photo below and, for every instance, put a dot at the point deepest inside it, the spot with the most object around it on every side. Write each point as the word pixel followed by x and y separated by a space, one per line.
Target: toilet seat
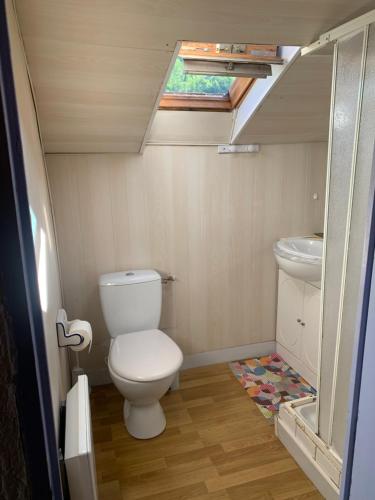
pixel 144 356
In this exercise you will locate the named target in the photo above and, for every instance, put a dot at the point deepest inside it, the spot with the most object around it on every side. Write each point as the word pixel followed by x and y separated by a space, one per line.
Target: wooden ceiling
pixel 97 67
pixel 297 109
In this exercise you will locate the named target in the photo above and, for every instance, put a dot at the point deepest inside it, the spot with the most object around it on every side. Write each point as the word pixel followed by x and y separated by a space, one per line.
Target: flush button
pixel 129 274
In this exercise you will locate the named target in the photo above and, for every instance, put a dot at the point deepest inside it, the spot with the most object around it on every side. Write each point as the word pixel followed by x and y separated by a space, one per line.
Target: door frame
pixel 20 294
pixel 358 469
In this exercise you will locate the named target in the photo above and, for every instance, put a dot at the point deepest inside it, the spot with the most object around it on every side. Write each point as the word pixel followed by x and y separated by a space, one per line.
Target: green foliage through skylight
pixel 180 83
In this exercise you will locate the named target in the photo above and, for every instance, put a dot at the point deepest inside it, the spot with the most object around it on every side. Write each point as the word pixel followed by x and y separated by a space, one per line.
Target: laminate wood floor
pixel 217 445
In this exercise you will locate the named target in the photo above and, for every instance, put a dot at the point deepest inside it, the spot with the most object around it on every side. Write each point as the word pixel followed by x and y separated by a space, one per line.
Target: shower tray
pixel 308 414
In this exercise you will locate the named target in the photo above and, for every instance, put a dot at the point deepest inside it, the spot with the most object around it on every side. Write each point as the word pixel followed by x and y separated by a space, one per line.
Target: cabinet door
pixel 289 313
pixel 310 330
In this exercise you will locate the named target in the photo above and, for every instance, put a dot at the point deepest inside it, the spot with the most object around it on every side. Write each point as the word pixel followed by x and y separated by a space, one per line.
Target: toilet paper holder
pixel 64 339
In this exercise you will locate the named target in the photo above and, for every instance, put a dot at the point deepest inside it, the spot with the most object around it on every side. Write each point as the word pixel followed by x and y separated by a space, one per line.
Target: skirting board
pixel 101 376
pixel 229 354
pixel 297 365
pixel 311 469
pixel 98 377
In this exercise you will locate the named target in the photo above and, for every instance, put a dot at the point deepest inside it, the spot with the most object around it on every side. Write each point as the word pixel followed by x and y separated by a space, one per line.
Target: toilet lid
pixel 144 356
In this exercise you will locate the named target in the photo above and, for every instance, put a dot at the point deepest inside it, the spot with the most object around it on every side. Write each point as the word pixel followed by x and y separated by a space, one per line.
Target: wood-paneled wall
pixel 180 128
pixel 209 219
pixel 297 108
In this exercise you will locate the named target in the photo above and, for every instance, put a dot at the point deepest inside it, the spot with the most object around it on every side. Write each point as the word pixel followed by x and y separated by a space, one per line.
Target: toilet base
pixel 144 421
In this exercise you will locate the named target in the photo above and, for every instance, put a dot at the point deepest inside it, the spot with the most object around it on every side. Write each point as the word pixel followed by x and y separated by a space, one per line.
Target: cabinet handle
pixel 299 320
pixel 303 324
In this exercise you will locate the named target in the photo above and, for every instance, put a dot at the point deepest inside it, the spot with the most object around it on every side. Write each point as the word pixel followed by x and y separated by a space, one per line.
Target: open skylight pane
pixel 201 85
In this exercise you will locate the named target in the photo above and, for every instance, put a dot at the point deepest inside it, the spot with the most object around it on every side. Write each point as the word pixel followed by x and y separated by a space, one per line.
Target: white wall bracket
pixel 241 148
pixel 62 329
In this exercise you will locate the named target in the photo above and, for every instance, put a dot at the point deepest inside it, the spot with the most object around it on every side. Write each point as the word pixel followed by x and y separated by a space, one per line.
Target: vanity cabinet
pixel 297 331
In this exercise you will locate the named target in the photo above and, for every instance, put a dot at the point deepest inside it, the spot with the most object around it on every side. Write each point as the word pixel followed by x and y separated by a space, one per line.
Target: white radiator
pixel 79 448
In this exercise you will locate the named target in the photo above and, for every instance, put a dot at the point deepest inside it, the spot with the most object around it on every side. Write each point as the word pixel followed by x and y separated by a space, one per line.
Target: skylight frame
pixel 191 102
pixel 238 89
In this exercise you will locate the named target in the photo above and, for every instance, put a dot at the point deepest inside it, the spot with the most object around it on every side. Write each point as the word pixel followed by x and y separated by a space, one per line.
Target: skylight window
pixel 198 85
pixel 214 76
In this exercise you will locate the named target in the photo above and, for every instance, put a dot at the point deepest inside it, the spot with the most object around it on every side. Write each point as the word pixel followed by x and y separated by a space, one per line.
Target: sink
pixel 300 257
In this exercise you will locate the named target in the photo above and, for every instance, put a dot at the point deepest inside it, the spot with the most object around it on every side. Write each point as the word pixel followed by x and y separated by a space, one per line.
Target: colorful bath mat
pixel 270 381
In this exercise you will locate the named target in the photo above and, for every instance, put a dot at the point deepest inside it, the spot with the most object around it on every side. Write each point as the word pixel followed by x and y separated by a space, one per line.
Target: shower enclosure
pixel 349 195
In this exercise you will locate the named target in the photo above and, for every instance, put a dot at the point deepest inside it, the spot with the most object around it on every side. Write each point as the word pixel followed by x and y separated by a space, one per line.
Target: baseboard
pixel 297 365
pixel 98 377
pixel 228 354
pixel 101 376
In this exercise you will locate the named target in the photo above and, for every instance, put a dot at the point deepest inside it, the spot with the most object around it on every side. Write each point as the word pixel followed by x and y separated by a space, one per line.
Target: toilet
pixel 143 361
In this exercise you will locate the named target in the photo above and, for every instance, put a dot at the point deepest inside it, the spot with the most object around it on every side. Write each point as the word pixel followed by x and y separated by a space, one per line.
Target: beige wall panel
pixel 157 25
pixel 297 109
pixel 101 98
pixel 97 67
pixel 41 218
pixel 209 219
pixel 187 127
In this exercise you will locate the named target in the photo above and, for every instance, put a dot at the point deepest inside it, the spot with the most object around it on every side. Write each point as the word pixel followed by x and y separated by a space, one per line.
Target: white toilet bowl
pixel 143 415
pixel 143 366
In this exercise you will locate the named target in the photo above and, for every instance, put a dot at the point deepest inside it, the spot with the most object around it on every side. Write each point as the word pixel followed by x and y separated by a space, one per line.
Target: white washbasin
pixel 300 257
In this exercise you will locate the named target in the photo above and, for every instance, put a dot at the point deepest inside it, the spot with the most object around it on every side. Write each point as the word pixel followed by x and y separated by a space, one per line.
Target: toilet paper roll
pixel 83 328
